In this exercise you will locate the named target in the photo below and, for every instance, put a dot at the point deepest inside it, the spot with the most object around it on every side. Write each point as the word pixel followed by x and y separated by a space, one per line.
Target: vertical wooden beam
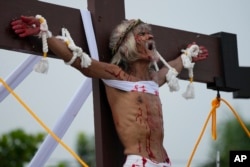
pixel 106 14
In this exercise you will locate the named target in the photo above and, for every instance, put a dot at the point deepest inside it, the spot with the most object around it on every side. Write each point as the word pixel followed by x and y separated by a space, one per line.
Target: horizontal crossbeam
pixel 169 41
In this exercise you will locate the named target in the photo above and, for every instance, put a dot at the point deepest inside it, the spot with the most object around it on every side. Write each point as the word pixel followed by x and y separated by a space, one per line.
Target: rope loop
pixel 216 104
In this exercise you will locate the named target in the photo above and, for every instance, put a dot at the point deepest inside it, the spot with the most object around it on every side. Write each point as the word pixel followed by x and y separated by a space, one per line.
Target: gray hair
pixel 123 44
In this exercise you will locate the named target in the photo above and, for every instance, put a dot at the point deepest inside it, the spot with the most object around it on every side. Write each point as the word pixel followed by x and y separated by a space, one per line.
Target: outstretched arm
pixel 200 54
pixel 30 26
pixel 176 63
pixel 96 69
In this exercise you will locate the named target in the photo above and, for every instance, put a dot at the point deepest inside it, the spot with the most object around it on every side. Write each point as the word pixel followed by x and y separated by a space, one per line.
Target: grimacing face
pixel 145 43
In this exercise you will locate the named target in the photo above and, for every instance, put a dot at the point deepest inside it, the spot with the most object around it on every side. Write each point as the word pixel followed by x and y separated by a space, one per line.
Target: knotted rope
pixel 43 65
pixel 216 104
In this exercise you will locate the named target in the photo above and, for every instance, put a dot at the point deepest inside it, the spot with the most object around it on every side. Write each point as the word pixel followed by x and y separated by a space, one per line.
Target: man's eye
pixel 141 33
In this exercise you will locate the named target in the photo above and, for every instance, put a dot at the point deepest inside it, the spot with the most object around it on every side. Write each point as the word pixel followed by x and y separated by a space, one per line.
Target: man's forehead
pixel 143 27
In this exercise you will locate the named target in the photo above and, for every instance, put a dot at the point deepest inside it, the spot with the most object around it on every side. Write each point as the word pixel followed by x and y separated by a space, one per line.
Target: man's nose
pixel 150 36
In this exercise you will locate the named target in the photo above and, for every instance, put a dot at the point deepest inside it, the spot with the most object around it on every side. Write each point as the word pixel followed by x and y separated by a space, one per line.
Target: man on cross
pixel 132 80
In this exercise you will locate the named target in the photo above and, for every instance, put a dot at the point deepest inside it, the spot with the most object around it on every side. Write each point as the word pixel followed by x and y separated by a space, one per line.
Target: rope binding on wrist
pixel 43 65
pixel 171 76
pixel 77 51
pixel 186 56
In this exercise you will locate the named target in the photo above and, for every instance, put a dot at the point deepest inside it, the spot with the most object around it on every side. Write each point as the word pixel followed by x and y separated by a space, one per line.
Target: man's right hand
pixel 26 26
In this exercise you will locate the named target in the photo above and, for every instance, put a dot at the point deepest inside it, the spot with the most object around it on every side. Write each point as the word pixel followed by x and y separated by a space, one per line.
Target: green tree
pixel 17 147
pixel 231 137
pixel 86 148
pixel 62 164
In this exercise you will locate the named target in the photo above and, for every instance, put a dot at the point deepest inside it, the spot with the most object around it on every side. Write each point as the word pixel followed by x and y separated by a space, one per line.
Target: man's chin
pixel 153 56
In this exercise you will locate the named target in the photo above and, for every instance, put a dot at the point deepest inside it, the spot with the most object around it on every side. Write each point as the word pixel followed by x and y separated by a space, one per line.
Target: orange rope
pixel 42 124
pixel 212 114
pixel 199 139
pixel 237 117
pixel 215 104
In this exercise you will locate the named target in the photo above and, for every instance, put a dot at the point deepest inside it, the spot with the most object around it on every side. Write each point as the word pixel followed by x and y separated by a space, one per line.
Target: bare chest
pixel 136 106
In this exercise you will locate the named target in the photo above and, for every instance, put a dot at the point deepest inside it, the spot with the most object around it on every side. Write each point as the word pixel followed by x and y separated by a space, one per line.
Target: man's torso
pixel 138 119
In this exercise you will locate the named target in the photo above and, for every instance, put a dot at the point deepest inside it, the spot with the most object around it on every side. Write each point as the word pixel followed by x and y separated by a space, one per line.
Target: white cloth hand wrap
pixel 186 57
pixel 172 80
pixel 44 29
pixel 43 65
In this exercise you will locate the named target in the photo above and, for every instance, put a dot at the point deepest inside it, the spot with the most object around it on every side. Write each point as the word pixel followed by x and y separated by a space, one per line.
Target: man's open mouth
pixel 150 45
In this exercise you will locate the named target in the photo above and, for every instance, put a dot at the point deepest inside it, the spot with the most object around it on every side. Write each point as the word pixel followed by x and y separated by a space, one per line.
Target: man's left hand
pixel 203 54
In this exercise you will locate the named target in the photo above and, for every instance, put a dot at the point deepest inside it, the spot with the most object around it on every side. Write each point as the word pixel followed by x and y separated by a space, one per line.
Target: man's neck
pixel 140 69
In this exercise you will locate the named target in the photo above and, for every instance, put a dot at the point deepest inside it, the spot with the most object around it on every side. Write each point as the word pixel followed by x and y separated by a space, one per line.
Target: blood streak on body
pixel 118 73
pixel 148 145
pixel 148 138
pixel 139 115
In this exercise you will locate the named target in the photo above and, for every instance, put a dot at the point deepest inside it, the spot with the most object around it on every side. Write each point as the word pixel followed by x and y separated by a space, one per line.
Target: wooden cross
pixel 220 71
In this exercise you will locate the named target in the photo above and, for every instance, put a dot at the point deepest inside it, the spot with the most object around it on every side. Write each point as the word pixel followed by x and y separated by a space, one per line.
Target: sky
pixel 48 95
